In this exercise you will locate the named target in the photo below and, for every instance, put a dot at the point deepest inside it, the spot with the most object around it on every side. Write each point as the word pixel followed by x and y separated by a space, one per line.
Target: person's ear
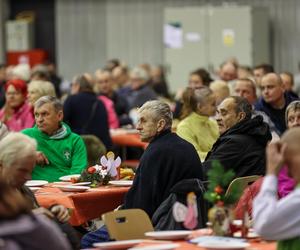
pixel 60 115
pixel 161 125
pixel 242 116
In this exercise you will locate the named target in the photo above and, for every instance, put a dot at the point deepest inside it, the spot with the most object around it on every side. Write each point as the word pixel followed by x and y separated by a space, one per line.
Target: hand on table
pixel 200 232
pixel 275 157
pixel 61 213
pixel 41 159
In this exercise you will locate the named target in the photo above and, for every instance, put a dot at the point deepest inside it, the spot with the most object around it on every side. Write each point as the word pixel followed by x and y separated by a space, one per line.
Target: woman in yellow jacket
pixel 197 127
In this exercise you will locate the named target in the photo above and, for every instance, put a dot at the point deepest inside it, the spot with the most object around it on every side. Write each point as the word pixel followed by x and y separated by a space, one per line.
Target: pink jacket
pixel 21 119
pixel 113 121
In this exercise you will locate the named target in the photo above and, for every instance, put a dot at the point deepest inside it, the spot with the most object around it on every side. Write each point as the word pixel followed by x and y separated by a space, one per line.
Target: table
pixel 86 205
pixel 188 246
pixel 254 245
pixel 125 138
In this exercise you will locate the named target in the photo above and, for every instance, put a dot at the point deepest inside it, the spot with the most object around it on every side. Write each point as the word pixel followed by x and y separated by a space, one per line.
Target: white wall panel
pixel 92 31
pixel 80 36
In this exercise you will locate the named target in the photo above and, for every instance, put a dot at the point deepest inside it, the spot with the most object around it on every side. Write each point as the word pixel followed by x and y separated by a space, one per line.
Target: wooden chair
pixel 127 224
pixel 242 183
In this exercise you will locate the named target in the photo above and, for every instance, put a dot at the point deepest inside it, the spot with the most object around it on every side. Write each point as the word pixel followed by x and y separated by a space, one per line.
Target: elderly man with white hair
pixel 167 161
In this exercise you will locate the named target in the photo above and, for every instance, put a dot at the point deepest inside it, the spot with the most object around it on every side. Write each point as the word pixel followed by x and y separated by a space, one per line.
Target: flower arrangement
pixel 221 214
pixel 101 174
pixel 219 180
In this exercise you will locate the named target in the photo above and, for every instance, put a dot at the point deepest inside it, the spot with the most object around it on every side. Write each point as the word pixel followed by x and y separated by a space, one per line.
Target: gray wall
pixel 92 31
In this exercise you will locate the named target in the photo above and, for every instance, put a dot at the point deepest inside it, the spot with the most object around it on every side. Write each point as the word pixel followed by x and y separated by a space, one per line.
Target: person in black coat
pixel 167 160
pixel 241 146
pixel 85 113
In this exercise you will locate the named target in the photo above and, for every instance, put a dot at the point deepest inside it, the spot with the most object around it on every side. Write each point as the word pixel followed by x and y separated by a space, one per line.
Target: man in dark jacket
pixel 84 113
pixel 167 160
pixel 274 100
pixel 241 146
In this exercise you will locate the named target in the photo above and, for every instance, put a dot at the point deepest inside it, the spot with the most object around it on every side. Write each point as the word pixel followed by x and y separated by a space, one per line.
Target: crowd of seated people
pixel 230 115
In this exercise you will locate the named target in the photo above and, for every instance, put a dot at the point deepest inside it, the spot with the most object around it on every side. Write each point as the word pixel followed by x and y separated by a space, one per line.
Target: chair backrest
pixel 242 183
pixel 127 224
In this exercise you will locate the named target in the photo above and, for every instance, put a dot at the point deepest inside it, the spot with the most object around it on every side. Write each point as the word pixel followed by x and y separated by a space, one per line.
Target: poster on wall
pixel 228 37
pixel 173 35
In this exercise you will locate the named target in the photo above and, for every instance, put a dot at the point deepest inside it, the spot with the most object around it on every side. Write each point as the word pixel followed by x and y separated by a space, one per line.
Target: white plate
pixel 224 245
pixel 250 235
pixel 157 247
pixel 70 188
pixel 81 183
pixel 168 235
pixel 35 183
pixel 121 183
pixel 68 177
pixel 34 189
pixel 121 244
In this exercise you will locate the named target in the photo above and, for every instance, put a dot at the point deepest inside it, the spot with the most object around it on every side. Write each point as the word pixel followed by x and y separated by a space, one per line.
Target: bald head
pixel 272 90
pixel 272 77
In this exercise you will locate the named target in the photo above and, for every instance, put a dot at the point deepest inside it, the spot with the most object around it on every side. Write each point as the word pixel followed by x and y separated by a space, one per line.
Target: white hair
pixel 160 110
pixel 16 146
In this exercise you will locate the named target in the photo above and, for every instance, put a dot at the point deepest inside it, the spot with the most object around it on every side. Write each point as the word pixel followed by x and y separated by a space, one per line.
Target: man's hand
pixel 275 157
pixel 61 213
pixel 44 211
pixel 41 159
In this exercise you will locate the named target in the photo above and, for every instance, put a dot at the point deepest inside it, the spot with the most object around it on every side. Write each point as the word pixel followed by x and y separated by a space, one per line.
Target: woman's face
pixel 33 95
pixel 293 119
pixel 14 97
pixel 195 81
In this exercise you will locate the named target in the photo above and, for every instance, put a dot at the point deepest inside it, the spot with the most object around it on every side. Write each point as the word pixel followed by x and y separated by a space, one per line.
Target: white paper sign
pixel 173 36
pixel 193 37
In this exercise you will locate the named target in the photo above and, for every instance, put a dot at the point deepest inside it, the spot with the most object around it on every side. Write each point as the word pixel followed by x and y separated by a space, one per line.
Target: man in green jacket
pixel 61 152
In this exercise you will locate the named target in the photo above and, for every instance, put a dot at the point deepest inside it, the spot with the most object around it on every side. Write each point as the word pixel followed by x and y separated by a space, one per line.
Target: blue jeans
pixel 100 235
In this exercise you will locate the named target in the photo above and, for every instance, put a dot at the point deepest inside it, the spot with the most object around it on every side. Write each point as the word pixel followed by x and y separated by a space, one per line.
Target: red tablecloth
pixel 85 206
pixel 130 140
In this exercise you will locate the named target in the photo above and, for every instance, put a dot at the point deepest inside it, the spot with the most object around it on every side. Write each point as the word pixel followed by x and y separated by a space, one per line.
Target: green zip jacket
pixel 66 154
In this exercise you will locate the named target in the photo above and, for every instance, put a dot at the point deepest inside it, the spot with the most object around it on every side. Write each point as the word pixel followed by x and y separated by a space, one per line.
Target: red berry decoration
pixel 219 190
pixel 91 170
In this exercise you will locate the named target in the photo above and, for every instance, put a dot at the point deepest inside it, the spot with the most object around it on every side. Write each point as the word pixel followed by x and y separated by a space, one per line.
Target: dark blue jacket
pixel 277 116
pixel 78 111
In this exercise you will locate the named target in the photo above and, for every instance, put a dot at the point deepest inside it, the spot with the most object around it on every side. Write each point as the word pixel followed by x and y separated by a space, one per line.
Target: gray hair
pixel 83 82
pixel 49 99
pixel 249 80
pixel 16 146
pixel 242 105
pixel 42 87
pixel 139 72
pixel 193 97
pixel 294 106
pixel 160 110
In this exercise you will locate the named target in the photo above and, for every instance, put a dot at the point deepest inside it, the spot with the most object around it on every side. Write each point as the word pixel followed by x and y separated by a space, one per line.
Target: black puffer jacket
pixel 242 148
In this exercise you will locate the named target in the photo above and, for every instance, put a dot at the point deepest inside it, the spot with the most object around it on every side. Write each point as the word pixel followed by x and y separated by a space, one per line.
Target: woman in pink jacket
pixel 16 113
